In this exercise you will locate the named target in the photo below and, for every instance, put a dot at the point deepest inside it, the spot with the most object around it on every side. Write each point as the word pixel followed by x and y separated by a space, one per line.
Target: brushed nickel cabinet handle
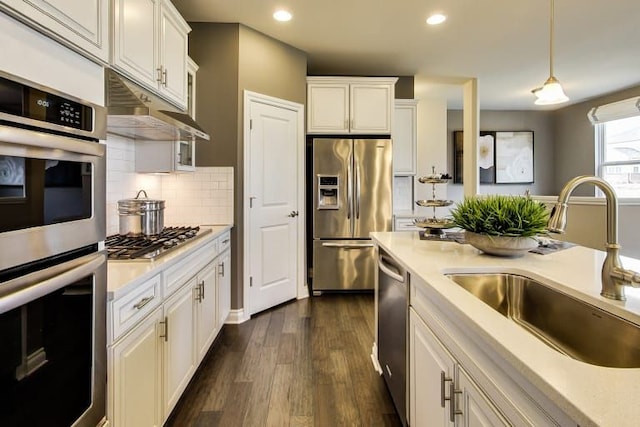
pixel 198 293
pixel 221 269
pixel 452 402
pixel 166 329
pixel 143 302
pixel 443 380
pixel 159 75
pixel 202 289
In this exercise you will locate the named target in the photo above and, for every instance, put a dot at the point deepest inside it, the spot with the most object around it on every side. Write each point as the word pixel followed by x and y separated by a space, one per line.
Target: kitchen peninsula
pixel 498 372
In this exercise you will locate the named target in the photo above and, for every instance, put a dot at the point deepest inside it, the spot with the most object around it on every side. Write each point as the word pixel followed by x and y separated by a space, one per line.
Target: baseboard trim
pixel 374 359
pixel 237 316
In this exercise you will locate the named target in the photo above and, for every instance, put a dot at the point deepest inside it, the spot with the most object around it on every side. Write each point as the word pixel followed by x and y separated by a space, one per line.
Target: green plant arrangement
pixel 501 215
pixel 501 225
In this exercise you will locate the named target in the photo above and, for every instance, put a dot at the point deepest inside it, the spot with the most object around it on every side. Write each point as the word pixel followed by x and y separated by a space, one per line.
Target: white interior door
pixel 273 244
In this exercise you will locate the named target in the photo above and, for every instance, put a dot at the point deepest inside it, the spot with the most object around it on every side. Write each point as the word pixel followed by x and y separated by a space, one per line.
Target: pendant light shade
pixel 551 91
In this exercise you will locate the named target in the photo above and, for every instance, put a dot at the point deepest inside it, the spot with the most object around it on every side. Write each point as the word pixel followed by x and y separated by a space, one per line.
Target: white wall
pixel 587 224
pixel 198 198
pixel 431 149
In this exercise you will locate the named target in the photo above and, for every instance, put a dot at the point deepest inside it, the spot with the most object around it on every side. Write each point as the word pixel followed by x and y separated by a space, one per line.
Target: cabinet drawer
pixel 224 242
pixel 131 308
pixel 405 224
pixel 179 273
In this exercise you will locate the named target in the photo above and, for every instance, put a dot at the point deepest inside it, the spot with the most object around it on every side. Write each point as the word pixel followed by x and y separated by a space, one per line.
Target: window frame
pixel 600 142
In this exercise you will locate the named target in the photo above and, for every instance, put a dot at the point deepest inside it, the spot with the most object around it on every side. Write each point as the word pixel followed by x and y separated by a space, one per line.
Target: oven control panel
pixel 22 100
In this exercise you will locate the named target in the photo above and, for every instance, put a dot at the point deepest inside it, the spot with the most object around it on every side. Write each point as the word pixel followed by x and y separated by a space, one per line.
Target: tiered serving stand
pixel 434 225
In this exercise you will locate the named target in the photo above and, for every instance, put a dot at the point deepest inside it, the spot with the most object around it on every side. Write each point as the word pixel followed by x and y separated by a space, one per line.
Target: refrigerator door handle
pixel 357 191
pixel 348 245
pixel 349 189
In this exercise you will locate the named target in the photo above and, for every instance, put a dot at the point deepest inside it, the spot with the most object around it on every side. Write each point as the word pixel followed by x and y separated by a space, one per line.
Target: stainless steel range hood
pixel 137 113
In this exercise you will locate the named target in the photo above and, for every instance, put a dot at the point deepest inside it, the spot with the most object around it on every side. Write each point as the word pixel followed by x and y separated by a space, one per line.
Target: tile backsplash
pixel 191 198
pixel 202 197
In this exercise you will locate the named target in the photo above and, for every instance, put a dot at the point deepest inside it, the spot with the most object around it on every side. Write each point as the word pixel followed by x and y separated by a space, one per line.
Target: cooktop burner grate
pixel 148 247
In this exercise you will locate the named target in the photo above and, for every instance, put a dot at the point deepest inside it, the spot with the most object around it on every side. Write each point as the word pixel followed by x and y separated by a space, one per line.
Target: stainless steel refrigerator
pixel 352 190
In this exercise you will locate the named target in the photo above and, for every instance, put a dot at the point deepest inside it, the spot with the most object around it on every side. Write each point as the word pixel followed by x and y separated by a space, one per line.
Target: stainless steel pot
pixel 141 216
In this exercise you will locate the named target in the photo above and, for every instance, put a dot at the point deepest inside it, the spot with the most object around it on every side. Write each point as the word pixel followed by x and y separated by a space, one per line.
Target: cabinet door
pixel 371 108
pixel 224 287
pixel 477 410
pixel 83 24
pixel 135 376
pixel 206 312
pixel 179 345
pixel 404 137
pixel 328 108
pixel 428 359
pixel 135 40
pixel 192 69
pixel 173 54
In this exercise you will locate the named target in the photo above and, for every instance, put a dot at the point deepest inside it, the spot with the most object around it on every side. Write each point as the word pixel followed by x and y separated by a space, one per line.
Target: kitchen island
pixel 523 379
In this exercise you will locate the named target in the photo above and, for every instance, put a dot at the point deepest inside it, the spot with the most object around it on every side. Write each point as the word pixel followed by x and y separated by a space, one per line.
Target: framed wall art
pixel 486 157
pixel 514 157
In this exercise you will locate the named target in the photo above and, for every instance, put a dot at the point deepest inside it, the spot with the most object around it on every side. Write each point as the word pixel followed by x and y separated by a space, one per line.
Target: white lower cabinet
pixel 431 369
pixel 477 410
pixel 224 286
pixel 456 380
pixel 157 341
pixel 441 393
pixel 179 344
pixel 136 376
pixel 206 321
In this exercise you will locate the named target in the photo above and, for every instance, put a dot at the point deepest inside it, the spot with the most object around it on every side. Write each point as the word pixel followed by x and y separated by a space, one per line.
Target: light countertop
pixel 123 276
pixel 591 395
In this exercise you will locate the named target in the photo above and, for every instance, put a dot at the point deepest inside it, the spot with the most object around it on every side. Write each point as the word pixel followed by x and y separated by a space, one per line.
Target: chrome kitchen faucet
pixel 614 276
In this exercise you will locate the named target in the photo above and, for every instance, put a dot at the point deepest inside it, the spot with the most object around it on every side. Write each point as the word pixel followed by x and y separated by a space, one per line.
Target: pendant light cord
pixel 552 13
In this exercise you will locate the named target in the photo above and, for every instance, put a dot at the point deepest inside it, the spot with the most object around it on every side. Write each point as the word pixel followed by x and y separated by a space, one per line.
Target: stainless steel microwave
pixel 52 172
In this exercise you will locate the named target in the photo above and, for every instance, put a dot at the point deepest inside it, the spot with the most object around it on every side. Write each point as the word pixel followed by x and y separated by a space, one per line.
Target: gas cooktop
pixel 147 248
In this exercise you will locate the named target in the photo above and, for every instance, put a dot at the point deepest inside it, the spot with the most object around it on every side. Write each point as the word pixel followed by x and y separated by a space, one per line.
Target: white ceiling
pixel 502 43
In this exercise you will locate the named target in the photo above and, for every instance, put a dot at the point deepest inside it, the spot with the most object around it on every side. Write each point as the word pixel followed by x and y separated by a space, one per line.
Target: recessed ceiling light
pixel 436 18
pixel 282 15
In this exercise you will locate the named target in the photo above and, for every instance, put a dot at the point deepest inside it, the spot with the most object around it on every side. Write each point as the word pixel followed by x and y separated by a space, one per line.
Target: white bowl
pixel 506 246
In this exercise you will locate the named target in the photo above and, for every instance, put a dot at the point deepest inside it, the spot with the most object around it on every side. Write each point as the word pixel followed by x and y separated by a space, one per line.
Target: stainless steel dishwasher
pixel 393 283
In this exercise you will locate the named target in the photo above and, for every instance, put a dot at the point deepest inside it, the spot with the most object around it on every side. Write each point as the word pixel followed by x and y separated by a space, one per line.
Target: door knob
pixel 293 214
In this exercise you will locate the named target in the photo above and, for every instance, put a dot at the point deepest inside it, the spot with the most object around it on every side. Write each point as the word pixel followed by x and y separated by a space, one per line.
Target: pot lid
pixel 139 204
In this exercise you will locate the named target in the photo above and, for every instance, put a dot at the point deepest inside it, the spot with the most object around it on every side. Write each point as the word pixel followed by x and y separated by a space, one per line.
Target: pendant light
pixel 551 92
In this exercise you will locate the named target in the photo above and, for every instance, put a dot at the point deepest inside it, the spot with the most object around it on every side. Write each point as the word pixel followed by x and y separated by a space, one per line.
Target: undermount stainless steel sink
pixel 570 326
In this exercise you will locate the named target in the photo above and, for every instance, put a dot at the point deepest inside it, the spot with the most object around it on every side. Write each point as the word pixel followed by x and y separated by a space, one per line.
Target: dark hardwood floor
pixel 304 363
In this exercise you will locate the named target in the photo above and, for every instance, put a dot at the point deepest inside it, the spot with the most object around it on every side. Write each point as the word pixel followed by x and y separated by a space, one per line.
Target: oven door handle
pixel 31 138
pixel 24 289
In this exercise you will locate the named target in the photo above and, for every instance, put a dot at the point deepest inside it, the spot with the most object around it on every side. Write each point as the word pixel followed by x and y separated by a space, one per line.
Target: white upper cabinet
pixel 150 41
pixel 350 105
pixel 135 35
pixel 82 25
pixel 174 42
pixel 328 107
pixel 404 136
pixel 192 69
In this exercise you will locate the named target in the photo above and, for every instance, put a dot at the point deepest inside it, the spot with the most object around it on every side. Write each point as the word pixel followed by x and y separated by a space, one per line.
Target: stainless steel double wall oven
pixel 52 273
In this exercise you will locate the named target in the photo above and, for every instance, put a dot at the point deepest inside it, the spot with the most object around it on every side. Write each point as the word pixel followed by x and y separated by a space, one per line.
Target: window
pixel 617 131
pixel 618 155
